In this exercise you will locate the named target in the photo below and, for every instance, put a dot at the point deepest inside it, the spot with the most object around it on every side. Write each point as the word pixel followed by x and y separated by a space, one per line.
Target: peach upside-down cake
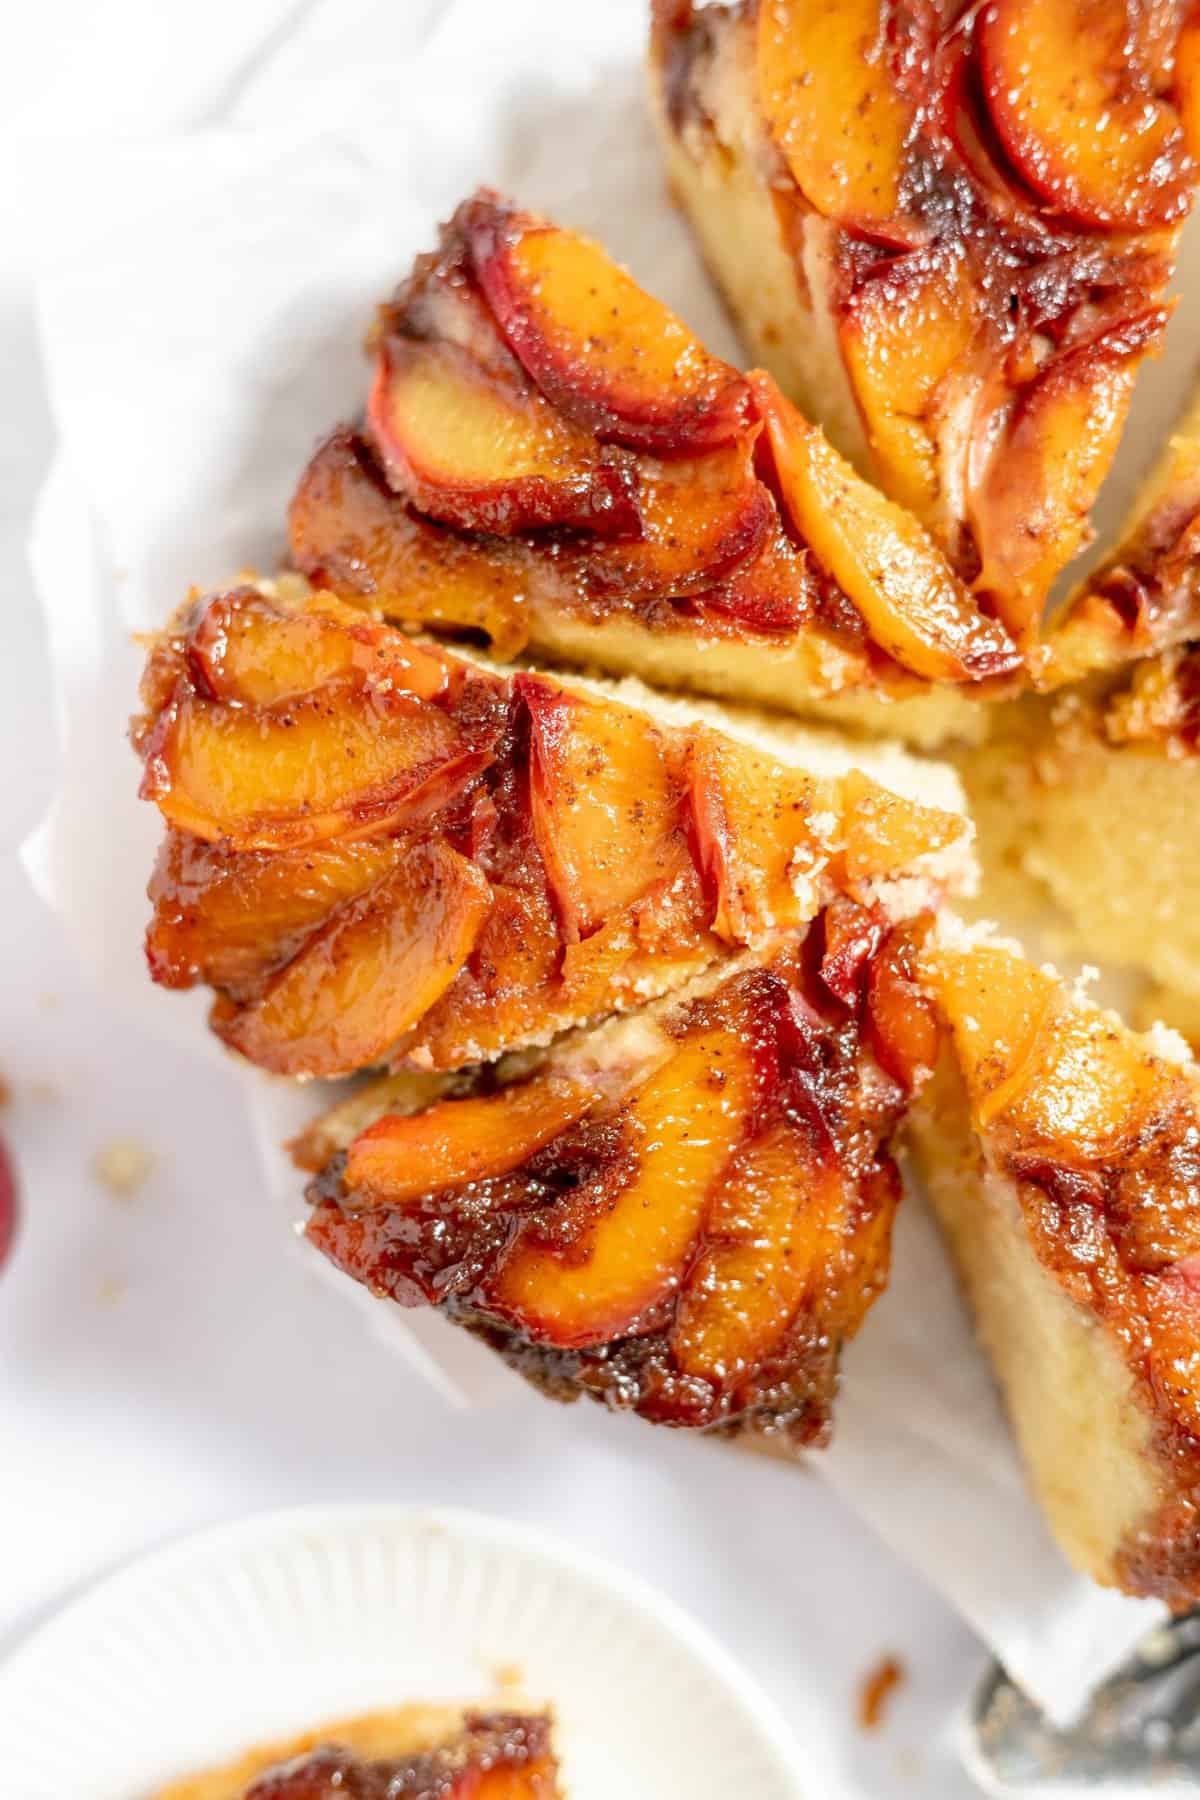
pixel 947 229
pixel 683 1213
pixel 1089 792
pixel 551 460
pixel 417 1752
pixel 1062 1154
pixel 380 850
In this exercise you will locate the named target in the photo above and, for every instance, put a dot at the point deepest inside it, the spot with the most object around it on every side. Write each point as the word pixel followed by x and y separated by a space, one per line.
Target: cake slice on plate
pixel 552 460
pixel 1062 1154
pixel 381 850
pixel 683 1213
pixel 947 230
pixel 427 1752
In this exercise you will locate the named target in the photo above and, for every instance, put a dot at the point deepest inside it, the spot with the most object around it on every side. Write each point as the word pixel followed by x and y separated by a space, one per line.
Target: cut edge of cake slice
pixel 1061 1153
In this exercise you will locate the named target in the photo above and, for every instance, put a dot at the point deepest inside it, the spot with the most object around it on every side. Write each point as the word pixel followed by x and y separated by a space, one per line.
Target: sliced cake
pixel 551 460
pixel 1062 1154
pixel 683 1213
pixel 947 230
pixel 380 850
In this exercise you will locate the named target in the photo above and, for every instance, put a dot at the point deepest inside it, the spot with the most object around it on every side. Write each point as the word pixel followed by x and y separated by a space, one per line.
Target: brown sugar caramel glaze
pixel 530 335
pixel 709 1225
pixel 496 1757
pixel 378 849
pixel 993 195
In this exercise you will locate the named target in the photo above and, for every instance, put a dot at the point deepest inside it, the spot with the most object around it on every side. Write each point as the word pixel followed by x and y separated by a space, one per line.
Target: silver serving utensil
pixel 1140 1737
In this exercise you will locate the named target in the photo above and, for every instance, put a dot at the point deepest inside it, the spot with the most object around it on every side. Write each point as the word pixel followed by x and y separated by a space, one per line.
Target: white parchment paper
pixel 202 308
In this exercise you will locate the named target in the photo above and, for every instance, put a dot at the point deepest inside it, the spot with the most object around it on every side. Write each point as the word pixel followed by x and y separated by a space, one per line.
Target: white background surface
pixel 164 1361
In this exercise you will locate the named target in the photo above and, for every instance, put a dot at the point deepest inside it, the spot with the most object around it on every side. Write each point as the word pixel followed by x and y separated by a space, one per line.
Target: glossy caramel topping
pixel 378 849
pixel 995 192
pixel 594 460
pixel 689 1228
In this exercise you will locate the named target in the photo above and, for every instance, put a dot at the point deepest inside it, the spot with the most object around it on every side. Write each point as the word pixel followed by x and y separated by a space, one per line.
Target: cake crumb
pixel 111 1291
pixel 6 1092
pixel 876 1689
pixel 122 1167
pixel 508 1675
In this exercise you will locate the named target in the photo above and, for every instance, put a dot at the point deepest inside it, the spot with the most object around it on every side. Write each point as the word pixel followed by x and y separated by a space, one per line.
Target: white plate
pixel 198 1651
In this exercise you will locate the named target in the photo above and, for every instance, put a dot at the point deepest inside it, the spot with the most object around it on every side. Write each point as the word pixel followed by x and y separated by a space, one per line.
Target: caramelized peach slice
pixel 773 1224
pixel 229 917
pixel 604 803
pixel 884 833
pixel 997 1006
pixel 1058 1074
pixel 703 520
pixel 754 841
pixel 1033 482
pixel 1075 106
pixel 371 974
pixel 914 607
pixel 901 1025
pixel 832 104
pixel 349 532
pixel 610 357
pixel 481 453
pixel 623 1253
pixel 902 334
pixel 330 764
pixel 457 1142
pixel 246 648
pixel 1187 83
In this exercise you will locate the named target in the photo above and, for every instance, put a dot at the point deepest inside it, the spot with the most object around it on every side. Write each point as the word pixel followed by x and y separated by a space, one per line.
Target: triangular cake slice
pixel 948 231
pixel 381 850
pixel 1092 791
pixel 1062 1154
pixel 552 459
pixel 683 1213
pixel 426 1752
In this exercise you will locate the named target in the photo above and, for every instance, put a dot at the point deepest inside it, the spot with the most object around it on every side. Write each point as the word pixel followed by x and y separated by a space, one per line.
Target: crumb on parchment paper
pixel 876 1689
pixel 122 1166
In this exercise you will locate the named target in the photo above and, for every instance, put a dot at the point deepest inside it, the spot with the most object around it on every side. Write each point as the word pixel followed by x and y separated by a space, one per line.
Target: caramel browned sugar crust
pixel 691 1237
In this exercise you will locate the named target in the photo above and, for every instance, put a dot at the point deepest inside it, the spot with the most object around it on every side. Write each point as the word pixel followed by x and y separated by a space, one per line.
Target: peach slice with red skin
pixel 774 1222
pixel 244 647
pixel 349 532
pixel 752 836
pixel 604 803
pixel 590 1284
pixel 703 520
pixel 886 563
pixel 902 332
pixel 1075 105
pixel 1035 475
pixel 229 917
pixel 614 360
pixel 370 974
pixel 479 452
pixel 332 763
pixel 833 106
pixel 456 1142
